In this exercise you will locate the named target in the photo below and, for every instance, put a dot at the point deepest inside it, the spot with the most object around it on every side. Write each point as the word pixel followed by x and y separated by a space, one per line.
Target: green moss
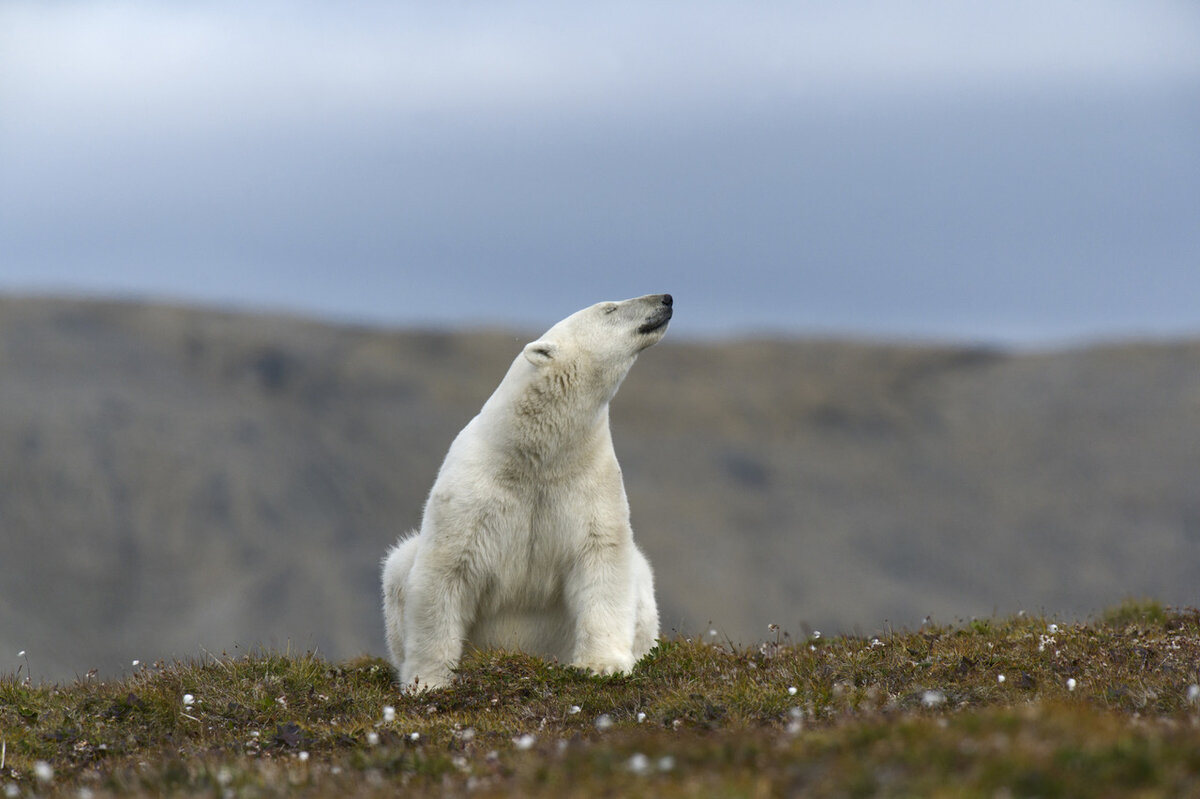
pixel 1136 611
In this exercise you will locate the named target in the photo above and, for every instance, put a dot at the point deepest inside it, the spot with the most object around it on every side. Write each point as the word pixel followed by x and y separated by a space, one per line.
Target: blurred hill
pixel 174 479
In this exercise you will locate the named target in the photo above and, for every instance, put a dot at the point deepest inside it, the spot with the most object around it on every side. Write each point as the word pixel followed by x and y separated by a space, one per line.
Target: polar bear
pixel 525 541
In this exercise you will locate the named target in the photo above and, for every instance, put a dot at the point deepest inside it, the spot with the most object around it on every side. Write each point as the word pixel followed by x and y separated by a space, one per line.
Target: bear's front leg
pixel 600 595
pixel 436 618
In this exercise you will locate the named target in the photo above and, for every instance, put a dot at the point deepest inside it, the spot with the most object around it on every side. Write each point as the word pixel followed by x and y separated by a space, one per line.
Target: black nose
pixel 667 300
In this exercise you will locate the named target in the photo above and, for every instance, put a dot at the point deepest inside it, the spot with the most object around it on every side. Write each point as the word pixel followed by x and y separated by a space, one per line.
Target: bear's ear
pixel 541 353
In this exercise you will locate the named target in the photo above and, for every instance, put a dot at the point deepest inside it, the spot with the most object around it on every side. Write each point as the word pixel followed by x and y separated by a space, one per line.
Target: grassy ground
pixel 1011 707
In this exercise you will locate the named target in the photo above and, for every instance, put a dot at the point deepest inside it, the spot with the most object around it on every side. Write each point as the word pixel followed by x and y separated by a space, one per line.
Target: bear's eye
pixel 610 308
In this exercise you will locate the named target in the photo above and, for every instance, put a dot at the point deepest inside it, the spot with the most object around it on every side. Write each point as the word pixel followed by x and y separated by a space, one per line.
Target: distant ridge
pixel 175 478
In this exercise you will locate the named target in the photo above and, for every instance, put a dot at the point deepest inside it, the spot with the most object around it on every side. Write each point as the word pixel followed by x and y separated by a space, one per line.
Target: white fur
pixel 525 542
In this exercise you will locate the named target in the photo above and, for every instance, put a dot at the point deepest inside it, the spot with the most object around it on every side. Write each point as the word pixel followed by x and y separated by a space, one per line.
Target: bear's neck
pixel 547 439
pixel 549 447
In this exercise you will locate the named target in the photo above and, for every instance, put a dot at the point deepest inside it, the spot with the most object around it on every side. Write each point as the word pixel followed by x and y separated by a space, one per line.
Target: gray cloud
pixel 937 169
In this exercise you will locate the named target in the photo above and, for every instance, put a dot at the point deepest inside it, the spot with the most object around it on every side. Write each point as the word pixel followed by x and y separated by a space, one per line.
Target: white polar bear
pixel 525 541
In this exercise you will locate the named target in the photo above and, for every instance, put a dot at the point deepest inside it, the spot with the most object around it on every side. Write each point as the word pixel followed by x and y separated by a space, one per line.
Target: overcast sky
pixel 1018 172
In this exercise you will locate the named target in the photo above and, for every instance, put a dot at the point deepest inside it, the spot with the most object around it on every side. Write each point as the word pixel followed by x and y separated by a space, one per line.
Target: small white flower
pixel 875 642
pixel 255 733
pixel 604 722
pixel 304 757
pixel 525 741
pixel 1053 629
pixel 639 764
pixel 373 738
pixel 573 709
pixel 642 717
pixel 389 713
pixel 816 634
pixel 43 771
pixel 1000 678
pixel 712 633
pixel 791 690
pixel 188 700
pixel 932 698
pixel 666 763
pixel 136 663
pixel 1071 683
pixel 416 736
pixel 21 654
pixel 1193 693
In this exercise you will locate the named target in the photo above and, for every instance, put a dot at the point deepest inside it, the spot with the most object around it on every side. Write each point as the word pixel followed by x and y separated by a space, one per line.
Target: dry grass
pixel 1019 706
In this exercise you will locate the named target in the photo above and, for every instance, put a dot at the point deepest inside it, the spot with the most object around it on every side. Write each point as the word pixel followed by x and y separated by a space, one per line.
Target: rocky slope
pixel 175 479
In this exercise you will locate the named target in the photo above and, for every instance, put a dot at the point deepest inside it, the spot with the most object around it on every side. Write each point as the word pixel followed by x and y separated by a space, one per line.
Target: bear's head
pixel 604 338
pixel 559 388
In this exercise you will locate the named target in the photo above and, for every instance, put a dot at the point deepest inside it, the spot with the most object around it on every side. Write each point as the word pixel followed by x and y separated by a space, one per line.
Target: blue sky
pixel 1025 173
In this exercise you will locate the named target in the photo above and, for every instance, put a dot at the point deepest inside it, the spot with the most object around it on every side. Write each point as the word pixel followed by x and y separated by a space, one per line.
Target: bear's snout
pixel 661 315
